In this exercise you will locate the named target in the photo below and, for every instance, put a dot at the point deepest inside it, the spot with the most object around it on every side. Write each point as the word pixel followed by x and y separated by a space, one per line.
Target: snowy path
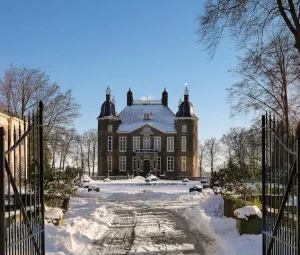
pixel 152 228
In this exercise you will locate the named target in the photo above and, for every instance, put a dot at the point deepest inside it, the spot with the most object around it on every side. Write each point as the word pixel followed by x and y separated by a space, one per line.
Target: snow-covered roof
pixel 161 117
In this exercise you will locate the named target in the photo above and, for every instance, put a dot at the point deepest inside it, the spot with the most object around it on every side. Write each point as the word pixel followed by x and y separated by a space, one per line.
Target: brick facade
pixel 147 159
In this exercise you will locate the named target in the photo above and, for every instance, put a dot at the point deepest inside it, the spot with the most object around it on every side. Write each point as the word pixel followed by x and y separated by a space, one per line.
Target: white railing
pixel 141 102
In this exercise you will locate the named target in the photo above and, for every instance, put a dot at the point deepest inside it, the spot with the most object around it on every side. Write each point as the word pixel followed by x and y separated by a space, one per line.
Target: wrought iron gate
pixel 21 186
pixel 280 188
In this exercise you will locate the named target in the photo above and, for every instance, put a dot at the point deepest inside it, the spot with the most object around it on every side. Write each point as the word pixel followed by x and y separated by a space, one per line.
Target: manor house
pixel 146 136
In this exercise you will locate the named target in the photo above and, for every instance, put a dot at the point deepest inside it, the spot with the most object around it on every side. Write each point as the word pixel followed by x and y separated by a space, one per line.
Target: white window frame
pixel 183 128
pixel 109 143
pixel 147 116
pixel 157 143
pixel 136 143
pixel 170 144
pixel 122 143
pixel 110 128
pixel 170 168
pixel 183 143
pixel 109 163
pixel 122 163
pixel 158 165
pixel 146 141
pixel 183 164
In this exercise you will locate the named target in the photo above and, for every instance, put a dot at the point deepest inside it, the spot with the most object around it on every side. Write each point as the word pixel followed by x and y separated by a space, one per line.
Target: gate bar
pixel 263 159
pixel 2 193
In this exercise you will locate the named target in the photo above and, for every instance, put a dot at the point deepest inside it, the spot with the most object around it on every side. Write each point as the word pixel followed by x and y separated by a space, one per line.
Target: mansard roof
pixel 132 118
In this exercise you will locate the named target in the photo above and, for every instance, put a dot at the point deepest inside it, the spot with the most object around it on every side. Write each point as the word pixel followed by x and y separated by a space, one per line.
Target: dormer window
pixel 147 116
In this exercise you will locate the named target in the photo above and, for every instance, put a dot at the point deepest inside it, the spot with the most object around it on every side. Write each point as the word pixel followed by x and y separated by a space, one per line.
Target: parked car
pixel 185 180
pixel 196 188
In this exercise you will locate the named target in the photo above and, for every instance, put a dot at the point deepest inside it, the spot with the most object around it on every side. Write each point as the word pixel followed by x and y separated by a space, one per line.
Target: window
pixel 109 163
pixel 157 143
pixel 158 163
pixel 122 163
pixel 109 128
pixel 136 143
pixel 183 143
pixel 183 164
pixel 170 163
pixel 122 144
pixel 170 144
pixel 147 116
pixel 146 143
pixel 183 129
pixel 109 143
pixel 134 163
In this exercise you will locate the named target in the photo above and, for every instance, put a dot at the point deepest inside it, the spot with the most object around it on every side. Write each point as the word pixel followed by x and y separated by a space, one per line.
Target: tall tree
pixel 22 88
pixel 247 20
pixel 202 149
pixel 213 148
pixel 269 81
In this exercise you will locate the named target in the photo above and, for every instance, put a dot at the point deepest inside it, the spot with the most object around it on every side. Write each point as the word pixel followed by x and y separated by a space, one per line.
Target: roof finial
pixel 180 101
pixel 108 91
pixel 113 100
pixel 186 90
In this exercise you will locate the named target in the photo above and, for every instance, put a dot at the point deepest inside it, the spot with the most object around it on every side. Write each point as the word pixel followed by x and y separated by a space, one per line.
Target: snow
pixel 143 206
pixel 132 117
pixel 53 213
pixel 85 221
pixel 246 211
pixel 208 218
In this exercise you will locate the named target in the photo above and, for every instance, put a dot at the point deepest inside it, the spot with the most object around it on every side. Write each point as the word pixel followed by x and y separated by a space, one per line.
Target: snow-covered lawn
pixel 91 214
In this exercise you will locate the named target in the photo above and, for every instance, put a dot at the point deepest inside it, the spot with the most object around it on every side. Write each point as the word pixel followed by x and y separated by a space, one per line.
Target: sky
pixel 144 45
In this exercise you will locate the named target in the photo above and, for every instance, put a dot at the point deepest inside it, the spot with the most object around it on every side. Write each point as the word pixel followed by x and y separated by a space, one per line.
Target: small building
pixel 146 136
pixel 14 127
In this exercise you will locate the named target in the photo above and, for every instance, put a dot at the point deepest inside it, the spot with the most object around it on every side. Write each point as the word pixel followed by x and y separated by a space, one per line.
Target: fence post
pixel 263 176
pixel 2 192
pixel 41 156
pixel 298 187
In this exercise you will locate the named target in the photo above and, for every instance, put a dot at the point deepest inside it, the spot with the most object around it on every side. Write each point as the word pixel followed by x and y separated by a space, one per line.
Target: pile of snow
pixel 85 222
pixel 247 211
pixel 53 213
pixel 86 178
pixel 106 180
pixel 139 178
pixel 208 219
pixel 152 177
pixel 185 180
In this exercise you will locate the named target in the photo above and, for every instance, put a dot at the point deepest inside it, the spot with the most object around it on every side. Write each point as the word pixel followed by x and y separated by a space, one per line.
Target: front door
pixel 146 166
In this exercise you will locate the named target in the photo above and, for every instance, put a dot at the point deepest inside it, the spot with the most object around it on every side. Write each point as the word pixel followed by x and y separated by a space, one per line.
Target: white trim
pixel 158 139
pixel 183 143
pixel 170 143
pixel 122 160
pixel 147 124
pixel 146 140
pixel 171 158
pixel 122 143
pixel 109 163
pixel 183 164
pixel 138 141
pixel 109 140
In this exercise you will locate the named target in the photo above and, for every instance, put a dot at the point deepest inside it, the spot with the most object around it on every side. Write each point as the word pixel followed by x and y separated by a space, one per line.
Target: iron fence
pixel 21 186
pixel 280 189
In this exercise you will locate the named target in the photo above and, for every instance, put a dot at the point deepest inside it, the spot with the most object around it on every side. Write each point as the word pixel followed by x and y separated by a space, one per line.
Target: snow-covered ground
pixel 132 217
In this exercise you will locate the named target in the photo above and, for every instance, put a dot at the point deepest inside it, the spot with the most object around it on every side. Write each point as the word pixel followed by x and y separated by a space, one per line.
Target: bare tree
pixel 247 20
pixel 202 149
pixel 213 148
pixel 22 88
pixel 270 81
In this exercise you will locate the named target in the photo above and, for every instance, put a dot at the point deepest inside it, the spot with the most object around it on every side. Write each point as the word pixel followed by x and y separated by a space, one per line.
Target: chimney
pixel 164 99
pixel 129 98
